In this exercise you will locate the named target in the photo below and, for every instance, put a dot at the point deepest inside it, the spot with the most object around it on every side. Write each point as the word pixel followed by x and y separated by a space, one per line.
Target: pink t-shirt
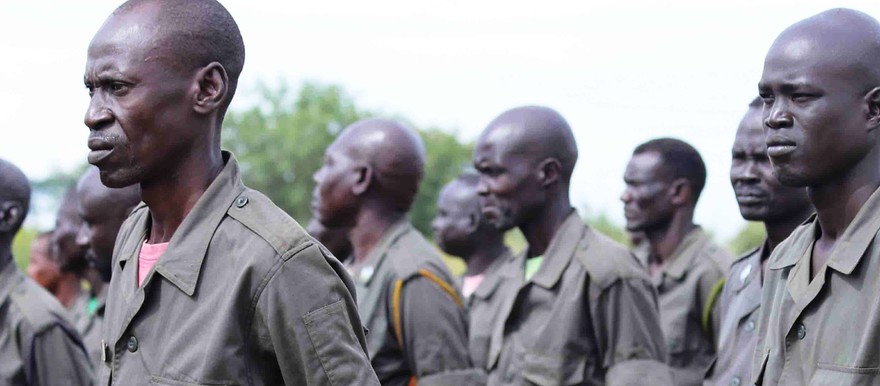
pixel 470 284
pixel 150 254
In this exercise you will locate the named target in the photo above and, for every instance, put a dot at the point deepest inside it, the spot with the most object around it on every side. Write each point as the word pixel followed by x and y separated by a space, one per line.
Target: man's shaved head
pixel 821 93
pixel 395 153
pixel 525 157
pixel 191 34
pixel 536 131
pixel 373 159
pixel 15 197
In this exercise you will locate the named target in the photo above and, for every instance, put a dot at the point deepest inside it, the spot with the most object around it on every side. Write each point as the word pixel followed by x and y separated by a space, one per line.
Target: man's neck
pixel 488 249
pixel 665 241
pixel 372 224
pixel 68 289
pixel 779 229
pixel 173 196
pixel 837 202
pixel 540 231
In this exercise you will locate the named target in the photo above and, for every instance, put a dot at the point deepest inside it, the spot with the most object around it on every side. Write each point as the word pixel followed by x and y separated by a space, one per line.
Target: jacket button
pixel 735 381
pixel 750 326
pixel 801 331
pixel 241 201
pixel 132 344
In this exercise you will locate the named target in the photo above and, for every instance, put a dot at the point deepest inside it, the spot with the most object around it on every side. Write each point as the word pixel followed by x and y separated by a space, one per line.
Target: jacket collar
pixel 560 251
pixel 683 256
pixel 492 279
pixel 182 261
pixel 377 256
pixel 751 269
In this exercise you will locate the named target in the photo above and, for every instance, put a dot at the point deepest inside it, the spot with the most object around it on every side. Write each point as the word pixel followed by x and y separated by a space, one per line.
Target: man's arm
pixel 311 320
pixel 435 335
pixel 627 321
pixel 57 357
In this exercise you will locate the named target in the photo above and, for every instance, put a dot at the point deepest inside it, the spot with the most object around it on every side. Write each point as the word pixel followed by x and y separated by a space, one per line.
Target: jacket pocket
pixel 553 369
pixel 828 374
pixel 159 381
pixel 336 346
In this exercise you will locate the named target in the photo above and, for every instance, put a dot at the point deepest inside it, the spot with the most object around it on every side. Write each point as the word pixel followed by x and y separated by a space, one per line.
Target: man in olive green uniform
pixel 761 198
pixel 664 179
pixel 414 315
pixel 37 344
pixel 461 230
pixel 211 283
pixel 103 210
pixel 579 310
pixel 820 305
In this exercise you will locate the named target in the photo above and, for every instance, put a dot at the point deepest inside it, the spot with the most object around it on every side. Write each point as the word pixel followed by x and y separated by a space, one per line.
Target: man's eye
pixel 91 89
pixel 802 97
pixel 117 87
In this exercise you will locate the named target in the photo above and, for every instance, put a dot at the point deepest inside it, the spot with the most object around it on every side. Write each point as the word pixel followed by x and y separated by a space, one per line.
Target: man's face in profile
pixel 138 102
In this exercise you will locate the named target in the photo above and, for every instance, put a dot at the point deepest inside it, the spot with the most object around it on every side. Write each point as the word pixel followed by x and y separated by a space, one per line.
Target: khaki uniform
pixel 739 307
pixel 432 323
pixel 38 347
pixel 242 296
pixel 484 307
pixel 90 328
pixel 825 331
pixel 587 317
pixel 689 286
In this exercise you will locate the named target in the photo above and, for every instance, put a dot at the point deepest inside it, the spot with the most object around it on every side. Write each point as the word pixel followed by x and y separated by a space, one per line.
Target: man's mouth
pixel 100 149
pixel 780 147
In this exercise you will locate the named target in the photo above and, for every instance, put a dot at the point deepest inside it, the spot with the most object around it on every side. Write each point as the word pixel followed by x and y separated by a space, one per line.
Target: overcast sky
pixel 620 72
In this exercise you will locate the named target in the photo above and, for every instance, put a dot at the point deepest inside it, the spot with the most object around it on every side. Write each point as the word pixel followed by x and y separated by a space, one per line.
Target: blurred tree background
pixel 280 142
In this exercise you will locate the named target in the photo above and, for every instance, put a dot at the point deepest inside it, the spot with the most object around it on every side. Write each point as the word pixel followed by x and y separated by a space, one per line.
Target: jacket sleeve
pixel 435 336
pixel 628 323
pixel 307 321
pixel 58 358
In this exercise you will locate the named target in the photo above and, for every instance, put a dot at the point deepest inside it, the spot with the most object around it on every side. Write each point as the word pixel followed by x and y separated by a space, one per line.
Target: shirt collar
pixel 182 261
pixel 799 240
pixel 560 251
pixel 377 256
pixel 491 280
pixel 857 237
pixel 751 268
pixel 682 257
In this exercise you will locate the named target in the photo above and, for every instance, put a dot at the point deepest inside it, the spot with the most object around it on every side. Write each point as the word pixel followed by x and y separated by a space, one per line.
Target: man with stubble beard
pixel 761 198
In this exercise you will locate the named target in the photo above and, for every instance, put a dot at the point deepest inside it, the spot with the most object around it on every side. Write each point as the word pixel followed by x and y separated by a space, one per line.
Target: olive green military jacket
pixel 484 307
pixel 90 326
pixel 824 331
pixel 428 318
pixel 689 286
pixel 739 308
pixel 38 346
pixel 242 296
pixel 588 317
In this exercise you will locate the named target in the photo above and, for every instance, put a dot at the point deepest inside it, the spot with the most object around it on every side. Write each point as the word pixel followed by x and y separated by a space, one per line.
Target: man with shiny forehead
pixel 579 310
pixel 761 198
pixel 821 92
pixel 211 283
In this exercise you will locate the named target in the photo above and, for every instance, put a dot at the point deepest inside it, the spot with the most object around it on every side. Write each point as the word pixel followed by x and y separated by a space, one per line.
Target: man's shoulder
pixel 606 260
pixel 715 257
pixel 411 252
pixel 266 221
pixel 36 308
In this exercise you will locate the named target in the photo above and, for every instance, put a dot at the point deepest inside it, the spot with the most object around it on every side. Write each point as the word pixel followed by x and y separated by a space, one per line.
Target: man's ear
pixel 363 177
pixel 212 84
pixel 549 171
pixel 11 213
pixel 681 191
pixel 474 222
pixel 872 98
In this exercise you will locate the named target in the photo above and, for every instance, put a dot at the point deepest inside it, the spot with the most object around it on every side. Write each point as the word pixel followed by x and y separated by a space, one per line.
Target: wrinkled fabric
pixel 823 331
pixel 242 296
pixel 484 308
pixel 589 316
pixel 434 326
pixel 38 346
pixel 685 286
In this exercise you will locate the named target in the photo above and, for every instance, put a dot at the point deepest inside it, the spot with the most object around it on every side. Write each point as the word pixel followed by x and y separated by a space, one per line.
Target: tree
pixel 280 143
pixel 749 237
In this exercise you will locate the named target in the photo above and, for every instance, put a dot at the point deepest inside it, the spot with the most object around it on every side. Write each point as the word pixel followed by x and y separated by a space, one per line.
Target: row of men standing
pixel 210 283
